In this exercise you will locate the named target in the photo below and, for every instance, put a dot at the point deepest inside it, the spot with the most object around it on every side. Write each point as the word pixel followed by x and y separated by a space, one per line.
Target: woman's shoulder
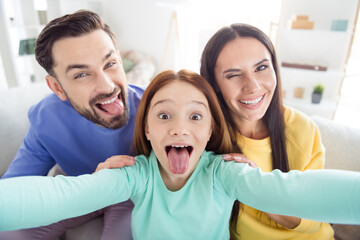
pixel 297 122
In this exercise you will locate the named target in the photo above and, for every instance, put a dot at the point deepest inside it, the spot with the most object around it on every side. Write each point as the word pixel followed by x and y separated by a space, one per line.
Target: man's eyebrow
pixel 82 66
pixel 72 66
pixel 108 55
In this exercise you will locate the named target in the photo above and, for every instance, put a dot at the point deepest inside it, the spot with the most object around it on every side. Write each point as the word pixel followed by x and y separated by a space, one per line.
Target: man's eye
pixel 164 116
pixel 110 64
pixel 195 116
pixel 80 75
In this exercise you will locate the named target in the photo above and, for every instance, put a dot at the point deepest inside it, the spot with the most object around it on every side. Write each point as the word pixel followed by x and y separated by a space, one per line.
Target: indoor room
pixel 317 44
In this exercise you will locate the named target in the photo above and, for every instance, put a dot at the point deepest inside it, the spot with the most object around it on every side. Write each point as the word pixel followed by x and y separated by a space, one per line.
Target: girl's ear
pixel 55 86
pixel 147 132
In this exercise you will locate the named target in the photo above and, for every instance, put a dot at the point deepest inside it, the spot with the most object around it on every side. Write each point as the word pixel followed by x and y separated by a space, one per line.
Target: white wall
pixel 141 25
pixel 144 24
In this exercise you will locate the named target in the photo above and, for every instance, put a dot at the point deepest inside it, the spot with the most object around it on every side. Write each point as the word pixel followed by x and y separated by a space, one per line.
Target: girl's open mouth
pixel 178 157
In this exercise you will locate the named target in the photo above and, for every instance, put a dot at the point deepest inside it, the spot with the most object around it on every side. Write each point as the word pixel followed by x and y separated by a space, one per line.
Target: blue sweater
pixel 58 134
pixel 199 210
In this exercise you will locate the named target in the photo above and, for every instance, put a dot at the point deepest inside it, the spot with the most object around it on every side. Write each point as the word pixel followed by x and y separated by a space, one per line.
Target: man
pixel 89 118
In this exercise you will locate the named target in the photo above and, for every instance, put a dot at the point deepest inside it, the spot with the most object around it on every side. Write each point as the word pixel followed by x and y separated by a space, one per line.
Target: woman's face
pixel 178 126
pixel 246 78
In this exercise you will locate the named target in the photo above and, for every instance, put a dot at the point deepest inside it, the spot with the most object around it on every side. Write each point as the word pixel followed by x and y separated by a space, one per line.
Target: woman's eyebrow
pixel 261 62
pixel 232 70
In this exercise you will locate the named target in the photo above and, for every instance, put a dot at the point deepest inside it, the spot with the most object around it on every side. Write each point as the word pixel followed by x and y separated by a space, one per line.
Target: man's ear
pixel 55 86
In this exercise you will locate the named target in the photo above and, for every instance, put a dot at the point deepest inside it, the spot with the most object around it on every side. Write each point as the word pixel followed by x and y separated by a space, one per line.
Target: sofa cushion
pixel 14 105
pixel 341 143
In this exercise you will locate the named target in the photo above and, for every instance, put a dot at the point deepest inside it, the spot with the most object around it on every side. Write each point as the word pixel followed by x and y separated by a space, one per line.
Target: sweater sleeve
pixel 320 195
pixel 33 201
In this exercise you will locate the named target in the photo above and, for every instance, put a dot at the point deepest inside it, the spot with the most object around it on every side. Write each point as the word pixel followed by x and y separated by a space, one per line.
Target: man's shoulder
pixel 136 91
pixel 48 107
pixel 49 101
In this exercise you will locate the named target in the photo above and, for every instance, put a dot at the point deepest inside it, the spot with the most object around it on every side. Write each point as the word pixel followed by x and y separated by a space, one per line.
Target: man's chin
pixel 113 122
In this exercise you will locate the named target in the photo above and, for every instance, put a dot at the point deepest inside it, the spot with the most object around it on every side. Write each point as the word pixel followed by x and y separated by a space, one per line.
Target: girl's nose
pixel 179 128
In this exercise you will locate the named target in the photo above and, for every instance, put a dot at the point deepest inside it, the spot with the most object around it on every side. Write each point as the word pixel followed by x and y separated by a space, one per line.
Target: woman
pixel 240 64
pixel 179 190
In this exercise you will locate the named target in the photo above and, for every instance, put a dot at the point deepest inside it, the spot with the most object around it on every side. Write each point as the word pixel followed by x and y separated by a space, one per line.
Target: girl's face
pixel 246 78
pixel 178 126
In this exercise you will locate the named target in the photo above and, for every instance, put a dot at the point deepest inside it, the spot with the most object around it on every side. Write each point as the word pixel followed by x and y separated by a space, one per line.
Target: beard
pixel 92 115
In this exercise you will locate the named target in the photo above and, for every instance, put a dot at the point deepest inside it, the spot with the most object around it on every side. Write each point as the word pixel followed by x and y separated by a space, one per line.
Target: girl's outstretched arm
pixel 33 201
pixel 322 195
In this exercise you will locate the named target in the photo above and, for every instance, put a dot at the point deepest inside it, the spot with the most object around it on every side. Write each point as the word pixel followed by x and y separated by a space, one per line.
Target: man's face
pixel 90 75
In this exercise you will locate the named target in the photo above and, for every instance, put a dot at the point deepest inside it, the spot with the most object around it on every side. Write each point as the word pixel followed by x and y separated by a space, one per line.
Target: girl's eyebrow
pixel 170 100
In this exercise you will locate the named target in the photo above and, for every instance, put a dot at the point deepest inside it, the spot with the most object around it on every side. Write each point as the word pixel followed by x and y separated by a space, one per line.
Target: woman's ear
pixel 55 86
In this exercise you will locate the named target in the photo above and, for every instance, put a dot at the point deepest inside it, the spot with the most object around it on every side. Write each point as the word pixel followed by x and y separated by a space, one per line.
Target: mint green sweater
pixel 199 210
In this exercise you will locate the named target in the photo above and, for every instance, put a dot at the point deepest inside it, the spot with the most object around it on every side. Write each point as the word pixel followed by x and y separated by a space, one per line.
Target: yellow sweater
pixel 305 151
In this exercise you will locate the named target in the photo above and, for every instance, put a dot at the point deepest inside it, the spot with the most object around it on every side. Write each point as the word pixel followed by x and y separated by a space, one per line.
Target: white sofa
pixel 341 143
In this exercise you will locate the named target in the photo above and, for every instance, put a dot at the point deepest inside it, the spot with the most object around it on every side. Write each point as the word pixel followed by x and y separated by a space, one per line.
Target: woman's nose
pixel 250 83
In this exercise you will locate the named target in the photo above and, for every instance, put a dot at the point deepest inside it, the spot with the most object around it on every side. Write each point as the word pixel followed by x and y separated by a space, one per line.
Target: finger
pixel 228 157
pixel 252 164
pixel 120 164
pixel 236 157
pixel 101 166
pixel 240 158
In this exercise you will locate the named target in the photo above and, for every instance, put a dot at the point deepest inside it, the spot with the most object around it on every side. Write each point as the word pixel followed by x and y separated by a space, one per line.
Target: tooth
pixel 109 101
pixel 253 101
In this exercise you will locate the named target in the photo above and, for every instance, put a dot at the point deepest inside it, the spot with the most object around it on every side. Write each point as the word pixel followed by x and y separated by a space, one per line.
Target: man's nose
pixel 104 83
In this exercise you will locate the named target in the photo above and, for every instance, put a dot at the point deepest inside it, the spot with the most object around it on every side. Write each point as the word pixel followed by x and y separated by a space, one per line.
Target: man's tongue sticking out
pixel 114 108
pixel 178 160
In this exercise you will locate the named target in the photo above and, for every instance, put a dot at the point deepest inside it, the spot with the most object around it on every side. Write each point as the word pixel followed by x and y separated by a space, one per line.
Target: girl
pixel 179 190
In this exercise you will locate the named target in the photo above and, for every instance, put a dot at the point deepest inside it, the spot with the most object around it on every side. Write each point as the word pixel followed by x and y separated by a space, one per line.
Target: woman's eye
pixel 110 64
pixel 232 75
pixel 261 67
pixel 164 116
pixel 80 75
pixel 195 116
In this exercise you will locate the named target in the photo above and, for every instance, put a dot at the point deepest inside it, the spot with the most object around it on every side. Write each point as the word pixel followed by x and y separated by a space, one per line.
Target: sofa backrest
pixel 14 104
pixel 342 144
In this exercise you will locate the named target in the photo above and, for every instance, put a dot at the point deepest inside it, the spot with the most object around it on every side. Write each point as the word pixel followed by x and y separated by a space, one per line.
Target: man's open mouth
pixel 112 106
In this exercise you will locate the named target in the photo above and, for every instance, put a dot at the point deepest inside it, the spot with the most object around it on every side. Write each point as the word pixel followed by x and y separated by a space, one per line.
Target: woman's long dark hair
pixel 273 118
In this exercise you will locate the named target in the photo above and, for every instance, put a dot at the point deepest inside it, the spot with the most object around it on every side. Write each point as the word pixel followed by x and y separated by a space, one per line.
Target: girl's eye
pixel 261 67
pixel 164 116
pixel 195 116
pixel 80 75
pixel 110 64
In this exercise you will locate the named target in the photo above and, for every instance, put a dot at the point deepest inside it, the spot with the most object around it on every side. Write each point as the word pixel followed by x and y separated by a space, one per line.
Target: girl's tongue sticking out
pixel 178 157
